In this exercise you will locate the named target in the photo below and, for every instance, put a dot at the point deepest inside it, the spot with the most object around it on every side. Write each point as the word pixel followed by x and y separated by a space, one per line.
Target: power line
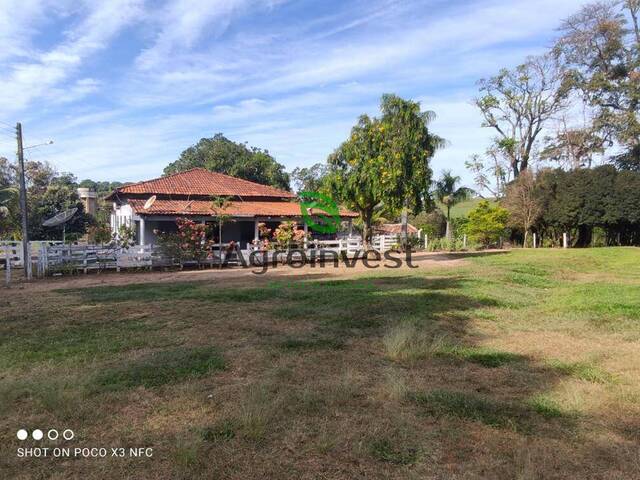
pixel 11 133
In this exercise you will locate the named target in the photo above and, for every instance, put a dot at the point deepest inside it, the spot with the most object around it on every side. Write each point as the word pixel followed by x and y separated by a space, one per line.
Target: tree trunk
pixel 220 242
pixel 404 232
pixel 585 234
pixel 366 231
pixel 448 233
pixel 526 236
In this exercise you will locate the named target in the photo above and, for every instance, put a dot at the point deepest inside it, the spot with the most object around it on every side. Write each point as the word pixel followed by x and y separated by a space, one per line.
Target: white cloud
pixel 38 77
pixel 293 87
pixel 184 22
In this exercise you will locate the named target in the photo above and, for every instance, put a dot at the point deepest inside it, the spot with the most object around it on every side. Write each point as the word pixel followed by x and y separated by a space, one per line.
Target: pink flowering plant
pixel 263 243
pixel 190 242
pixel 288 235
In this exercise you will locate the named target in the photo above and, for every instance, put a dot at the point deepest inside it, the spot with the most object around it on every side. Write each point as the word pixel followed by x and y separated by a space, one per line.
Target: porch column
pixel 306 232
pixel 141 230
pixel 256 231
pixel 350 227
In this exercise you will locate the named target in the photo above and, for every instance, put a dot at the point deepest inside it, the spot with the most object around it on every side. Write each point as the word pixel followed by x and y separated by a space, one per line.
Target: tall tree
pixel 219 154
pixel 449 194
pixel 518 103
pixel 358 173
pixel 573 147
pixel 409 146
pixel 523 202
pixel 309 179
pixel 490 173
pixel 600 45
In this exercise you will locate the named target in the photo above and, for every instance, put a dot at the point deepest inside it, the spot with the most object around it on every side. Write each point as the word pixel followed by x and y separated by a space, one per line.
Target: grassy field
pixel 462 209
pixel 517 365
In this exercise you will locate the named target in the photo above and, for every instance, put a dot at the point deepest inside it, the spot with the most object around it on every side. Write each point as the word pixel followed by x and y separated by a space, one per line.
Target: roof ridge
pixel 199 180
pixel 244 180
pixel 142 182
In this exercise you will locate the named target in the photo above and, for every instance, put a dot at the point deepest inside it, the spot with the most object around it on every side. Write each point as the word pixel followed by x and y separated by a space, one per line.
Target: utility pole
pixel 26 260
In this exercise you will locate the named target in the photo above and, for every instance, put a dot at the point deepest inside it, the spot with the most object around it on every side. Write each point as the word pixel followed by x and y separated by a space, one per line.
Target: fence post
pixel 8 266
pixel 28 265
pixel 426 241
pixel 464 241
pixel 565 240
pixel 45 259
pixel 534 240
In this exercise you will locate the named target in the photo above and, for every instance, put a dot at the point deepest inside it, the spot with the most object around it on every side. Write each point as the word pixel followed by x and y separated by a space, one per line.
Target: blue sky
pixel 123 86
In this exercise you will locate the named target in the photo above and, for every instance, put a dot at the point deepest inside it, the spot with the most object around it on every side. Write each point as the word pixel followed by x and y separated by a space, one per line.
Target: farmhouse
pixel 154 205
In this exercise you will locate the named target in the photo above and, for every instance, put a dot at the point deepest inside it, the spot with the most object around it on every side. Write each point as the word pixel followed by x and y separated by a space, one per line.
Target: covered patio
pixel 241 225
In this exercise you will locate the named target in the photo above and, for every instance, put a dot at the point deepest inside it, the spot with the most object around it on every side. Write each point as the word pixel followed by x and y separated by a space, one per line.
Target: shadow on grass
pixel 335 311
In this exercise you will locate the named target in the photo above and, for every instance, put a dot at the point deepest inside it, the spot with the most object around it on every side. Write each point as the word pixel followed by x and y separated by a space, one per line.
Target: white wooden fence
pixel 13 251
pixel 49 258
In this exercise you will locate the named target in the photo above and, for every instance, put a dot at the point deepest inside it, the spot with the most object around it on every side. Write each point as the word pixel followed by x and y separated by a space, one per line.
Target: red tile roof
pixel 236 209
pixel 199 181
pixel 393 228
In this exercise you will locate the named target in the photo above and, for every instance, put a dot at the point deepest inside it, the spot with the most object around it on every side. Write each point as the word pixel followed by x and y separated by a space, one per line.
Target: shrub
pixel 288 234
pixel 189 243
pixel 446 245
pixel 487 223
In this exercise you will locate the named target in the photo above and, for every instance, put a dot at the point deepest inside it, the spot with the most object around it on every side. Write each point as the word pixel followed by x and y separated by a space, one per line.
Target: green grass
pixel 161 367
pixel 546 406
pixel 462 209
pixel 225 430
pixel 487 357
pixel 387 450
pixel 77 342
pixel 581 370
pixel 470 406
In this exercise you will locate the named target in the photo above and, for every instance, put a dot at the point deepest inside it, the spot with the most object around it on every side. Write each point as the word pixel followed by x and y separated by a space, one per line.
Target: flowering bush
pixel 189 243
pixel 263 231
pixel 263 244
pixel 126 237
pixel 288 234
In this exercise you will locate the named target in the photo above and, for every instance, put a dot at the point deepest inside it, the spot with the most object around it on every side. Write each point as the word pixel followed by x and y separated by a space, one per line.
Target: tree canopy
pixel 357 171
pixel 579 201
pixel 600 48
pixel 48 193
pixel 309 179
pixel 518 103
pixel 219 154
pixel 385 162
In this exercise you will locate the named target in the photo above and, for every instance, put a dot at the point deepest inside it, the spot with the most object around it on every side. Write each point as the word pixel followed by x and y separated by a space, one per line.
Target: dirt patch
pixel 238 275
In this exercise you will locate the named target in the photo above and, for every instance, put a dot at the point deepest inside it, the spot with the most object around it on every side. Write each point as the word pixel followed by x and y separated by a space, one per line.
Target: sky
pixel 123 86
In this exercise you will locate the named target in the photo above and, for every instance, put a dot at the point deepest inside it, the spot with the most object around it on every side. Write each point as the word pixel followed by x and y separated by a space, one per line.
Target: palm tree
pixel 448 195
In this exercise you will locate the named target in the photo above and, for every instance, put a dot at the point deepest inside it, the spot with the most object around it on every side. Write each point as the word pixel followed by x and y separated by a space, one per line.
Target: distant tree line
pixel 556 117
pixel 48 192
pixel 601 202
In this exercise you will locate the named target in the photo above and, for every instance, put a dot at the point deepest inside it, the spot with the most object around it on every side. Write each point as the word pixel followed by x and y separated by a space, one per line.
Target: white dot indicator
pixel 68 434
pixel 37 434
pixel 52 434
pixel 22 434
